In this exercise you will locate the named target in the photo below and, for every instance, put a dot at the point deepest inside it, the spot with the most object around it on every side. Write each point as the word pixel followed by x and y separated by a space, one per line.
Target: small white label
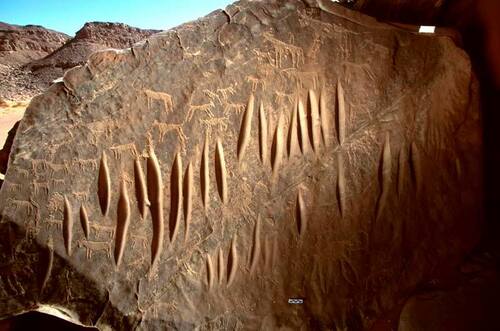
pixel 295 301
pixel 427 29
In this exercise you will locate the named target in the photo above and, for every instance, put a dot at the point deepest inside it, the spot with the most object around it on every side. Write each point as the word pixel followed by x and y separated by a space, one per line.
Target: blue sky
pixel 68 16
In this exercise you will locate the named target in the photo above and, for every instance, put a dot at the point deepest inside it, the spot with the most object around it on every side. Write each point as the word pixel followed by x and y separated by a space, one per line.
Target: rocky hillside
pixel 94 36
pixel 20 45
pixel 31 57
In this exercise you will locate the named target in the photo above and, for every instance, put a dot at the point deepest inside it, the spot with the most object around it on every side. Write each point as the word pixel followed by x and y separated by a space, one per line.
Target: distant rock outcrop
pixel 94 36
pixel 31 57
pixel 20 45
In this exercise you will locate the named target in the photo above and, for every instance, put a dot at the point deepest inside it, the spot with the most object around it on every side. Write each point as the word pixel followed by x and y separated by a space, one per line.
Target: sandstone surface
pixel 285 164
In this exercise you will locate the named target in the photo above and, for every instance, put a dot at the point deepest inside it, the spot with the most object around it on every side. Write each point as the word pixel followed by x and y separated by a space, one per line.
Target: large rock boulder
pixel 287 164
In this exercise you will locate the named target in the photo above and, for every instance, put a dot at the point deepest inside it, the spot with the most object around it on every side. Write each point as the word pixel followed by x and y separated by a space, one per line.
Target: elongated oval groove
pixel 263 134
pixel 175 197
pixel 141 191
pixel 221 265
pixel 232 263
pixel 277 147
pixel 300 216
pixel 314 124
pixel 256 246
pixel 220 171
pixel 49 257
pixel 104 185
pixel 67 226
pixel 341 113
pixel 122 222
pixel 210 272
pixel 246 128
pixel 188 198
pixel 341 183
pixel 384 175
pixel 155 194
pixel 293 129
pixel 205 174
pixel 415 165
pixel 325 117
pixel 84 220
pixel 303 129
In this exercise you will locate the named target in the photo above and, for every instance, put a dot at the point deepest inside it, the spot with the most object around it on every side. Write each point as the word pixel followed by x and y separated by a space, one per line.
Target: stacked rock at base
pixel 285 164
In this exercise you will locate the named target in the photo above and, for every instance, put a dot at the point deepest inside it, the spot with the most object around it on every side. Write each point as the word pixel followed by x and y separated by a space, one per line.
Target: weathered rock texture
pixel 266 152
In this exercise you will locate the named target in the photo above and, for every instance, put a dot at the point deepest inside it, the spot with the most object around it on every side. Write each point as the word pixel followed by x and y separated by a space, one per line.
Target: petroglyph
pixel 142 241
pixel 283 50
pixel 58 224
pixel 38 165
pixel 57 168
pixel 256 82
pixel 219 123
pixel 92 247
pixel 281 98
pixel 108 231
pixel 86 164
pixel 302 79
pixel 13 187
pixel 312 53
pixel 206 108
pixel 81 196
pixel 164 128
pixel 233 108
pixel 165 98
pixel 225 93
pixel 118 150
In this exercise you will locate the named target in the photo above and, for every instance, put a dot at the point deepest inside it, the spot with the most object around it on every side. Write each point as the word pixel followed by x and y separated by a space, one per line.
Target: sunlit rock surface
pixel 267 152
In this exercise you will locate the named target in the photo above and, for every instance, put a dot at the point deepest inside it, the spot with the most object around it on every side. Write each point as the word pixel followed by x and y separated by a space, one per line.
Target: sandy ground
pixel 10 113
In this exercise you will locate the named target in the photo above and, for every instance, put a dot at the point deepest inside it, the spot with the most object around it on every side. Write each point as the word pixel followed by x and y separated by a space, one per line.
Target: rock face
pixel 22 44
pixel 273 165
pixel 94 36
